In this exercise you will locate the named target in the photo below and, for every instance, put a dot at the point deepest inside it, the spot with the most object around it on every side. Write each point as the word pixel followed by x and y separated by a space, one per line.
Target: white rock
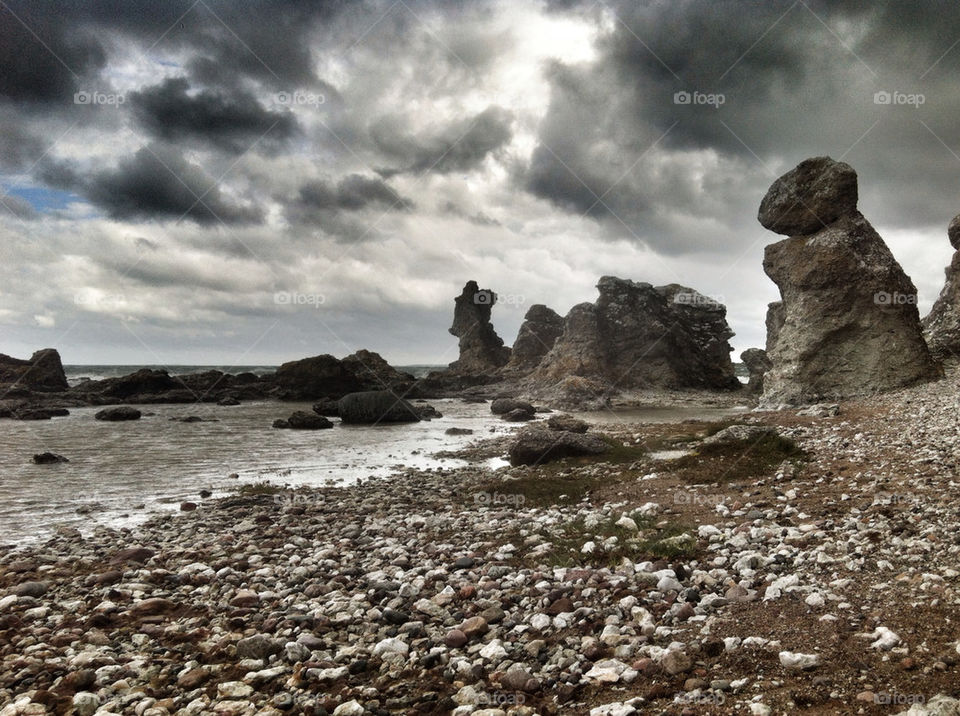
pixel 494 651
pixel 349 708
pixel 885 638
pixel 606 671
pixel 815 600
pixel 589 547
pixel 617 708
pixel 627 524
pixel 540 621
pixel 758 709
pixel 793 660
pixel 391 644
pixel 85 703
pixel 234 690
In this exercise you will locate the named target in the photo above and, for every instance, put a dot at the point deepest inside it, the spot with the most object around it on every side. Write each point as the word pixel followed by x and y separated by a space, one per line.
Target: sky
pixel 213 182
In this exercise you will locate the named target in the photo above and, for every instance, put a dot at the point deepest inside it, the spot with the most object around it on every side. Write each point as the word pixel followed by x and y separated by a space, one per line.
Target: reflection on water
pixel 120 471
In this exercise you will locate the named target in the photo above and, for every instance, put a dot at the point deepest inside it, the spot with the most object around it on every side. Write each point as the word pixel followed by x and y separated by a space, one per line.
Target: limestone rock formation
pixel 325 376
pixel 537 335
pixel 941 326
pixel 43 371
pixel 481 349
pixel 758 364
pixel 376 407
pixel 537 445
pixel 848 324
pixel 637 336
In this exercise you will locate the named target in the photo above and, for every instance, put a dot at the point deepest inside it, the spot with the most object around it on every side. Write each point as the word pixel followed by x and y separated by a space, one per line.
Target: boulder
pixel 374 407
pixel 48 458
pixel 568 423
pixel 810 197
pixel 756 361
pixel 941 327
pixel 425 411
pixel 502 406
pixel 228 401
pixel 537 445
pixel 43 371
pixel 302 420
pixel 539 331
pixel 31 412
pixel 146 381
pixel 637 336
pixel 481 349
pixel 458 431
pixel 519 415
pixel 848 324
pixel 324 376
pixel 327 407
pixel 119 413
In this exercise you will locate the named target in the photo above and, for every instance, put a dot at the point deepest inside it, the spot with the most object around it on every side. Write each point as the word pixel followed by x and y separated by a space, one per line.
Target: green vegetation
pixel 737 460
pixel 261 488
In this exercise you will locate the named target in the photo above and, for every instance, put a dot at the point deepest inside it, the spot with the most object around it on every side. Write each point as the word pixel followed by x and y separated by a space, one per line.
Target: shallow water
pixel 122 471
pixel 672 414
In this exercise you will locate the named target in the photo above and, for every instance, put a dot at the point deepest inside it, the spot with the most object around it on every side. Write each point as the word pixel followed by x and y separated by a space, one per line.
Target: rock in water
pixel 376 406
pixel 43 371
pixel 758 364
pixel 119 413
pixel 302 420
pixel 48 458
pixel 848 324
pixel 941 327
pixel 637 336
pixel 540 329
pixel 324 376
pixel 481 349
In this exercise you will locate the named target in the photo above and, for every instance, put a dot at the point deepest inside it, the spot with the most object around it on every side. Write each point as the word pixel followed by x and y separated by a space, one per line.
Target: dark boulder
pixel 324 376
pixel 48 458
pixel 119 413
pixel 567 423
pixel 327 407
pixel 43 371
pixel 538 445
pixel 228 401
pixel 501 406
pixel 518 415
pixel 376 406
pixel 302 420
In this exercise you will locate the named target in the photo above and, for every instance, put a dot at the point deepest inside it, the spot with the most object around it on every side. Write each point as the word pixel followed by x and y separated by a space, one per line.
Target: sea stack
pixel 941 327
pixel 848 323
pixel 481 349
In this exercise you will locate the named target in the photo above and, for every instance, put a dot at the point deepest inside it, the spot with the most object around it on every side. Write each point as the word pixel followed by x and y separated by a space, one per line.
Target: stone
pixel 152 607
pixel 537 335
pixel 520 415
pixel 325 376
pixel 502 406
pixel 302 420
pixel 796 661
pixel 810 197
pixel 258 646
pixel 118 414
pixel 567 423
pixel 637 336
pixel 481 349
pixel 376 407
pixel 676 662
pixel 941 327
pixel 30 589
pixel 350 708
pixel 234 690
pixel 757 363
pixel 455 638
pixel 327 408
pixel 85 703
pixel 458 431
pixel 849 323
pixel 537 445
pixel 474 627
pixel 43 371
pixel 194 678
pixel 392 644
pixel 48 458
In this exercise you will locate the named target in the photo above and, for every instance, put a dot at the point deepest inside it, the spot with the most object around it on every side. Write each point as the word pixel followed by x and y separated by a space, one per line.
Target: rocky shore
pixel 804 561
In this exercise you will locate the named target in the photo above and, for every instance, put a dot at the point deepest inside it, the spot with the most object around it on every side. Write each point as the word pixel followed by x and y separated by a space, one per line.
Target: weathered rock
pixel 43 371
pixel 376 406
pixel 758 364
pixel 327 408
pixel 32 412
pixel 143 382
pixel 48 458
pixel 539 331
pixel 119 413
pixel 810 197
pixel 302 420
pixel 519 415
pixel 562 421
pixel 774 323
pixel 458 431
pixel 941 327
pixel 850 324
pixel 502 406
pixel 324 376
pixel 481 349
pixel 538 445
pixel 258 646
pixel 228 402
pixel 425 411
pixel 637 336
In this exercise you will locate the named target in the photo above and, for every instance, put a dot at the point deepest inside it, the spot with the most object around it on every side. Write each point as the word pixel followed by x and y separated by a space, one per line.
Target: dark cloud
pixel 158 183
pixel 351 193
pixel 18 207
pixel 458 147
pixel 233 120
pixel 19 147
pixel 43 58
